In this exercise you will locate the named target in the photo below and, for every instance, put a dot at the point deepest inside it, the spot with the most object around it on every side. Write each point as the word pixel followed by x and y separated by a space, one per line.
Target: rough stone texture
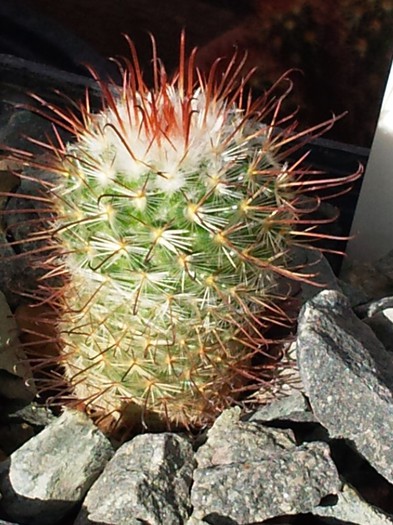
pixel 194 521
pixel 248 473
pixel 289 482
pixel 351 508
pixel 348 378
pixel 147 481
pixel 14 370
pixel 382 326
pixel 50 473
pixel 233 441
pixel 383 304
pixel 292 408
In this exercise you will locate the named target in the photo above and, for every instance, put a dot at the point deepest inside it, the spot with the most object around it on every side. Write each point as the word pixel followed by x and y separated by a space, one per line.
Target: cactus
pixel 175 211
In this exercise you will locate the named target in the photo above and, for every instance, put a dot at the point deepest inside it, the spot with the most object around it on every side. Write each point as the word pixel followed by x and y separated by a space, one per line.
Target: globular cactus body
pixel 174 216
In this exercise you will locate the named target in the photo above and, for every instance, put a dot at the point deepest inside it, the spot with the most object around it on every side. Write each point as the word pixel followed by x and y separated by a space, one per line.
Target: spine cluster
pixel 174 217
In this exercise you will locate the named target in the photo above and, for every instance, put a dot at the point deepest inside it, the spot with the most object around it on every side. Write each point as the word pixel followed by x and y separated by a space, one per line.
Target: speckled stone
pixel 293 408
pixel 382 326
pixel 348 377
pixel 351 508
pixel 233 441
pixel 147 481
pixel 51 473
pixel 289 482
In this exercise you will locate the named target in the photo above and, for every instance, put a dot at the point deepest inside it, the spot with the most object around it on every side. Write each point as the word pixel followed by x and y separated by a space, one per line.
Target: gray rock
pixel 233 441
pixel 194 521
pixel 382 326
pixel 348 377
pixel 147 481
pixel 51 473
pixel 286 483
pixel 9 271
pixel 373 307
pixel 292 408
pixel 28 211
pixel 385 303
pixel 7 523
pixel 248 473
pixel 351 508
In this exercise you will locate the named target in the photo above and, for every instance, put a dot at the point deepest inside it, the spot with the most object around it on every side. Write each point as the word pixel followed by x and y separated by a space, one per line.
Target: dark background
pixel 342 47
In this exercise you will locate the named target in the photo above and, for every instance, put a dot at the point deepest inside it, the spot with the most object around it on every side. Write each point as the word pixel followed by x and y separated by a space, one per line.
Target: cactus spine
pixel 174 216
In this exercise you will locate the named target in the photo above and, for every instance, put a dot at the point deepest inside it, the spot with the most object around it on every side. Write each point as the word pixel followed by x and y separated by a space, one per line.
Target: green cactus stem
pixel 175 211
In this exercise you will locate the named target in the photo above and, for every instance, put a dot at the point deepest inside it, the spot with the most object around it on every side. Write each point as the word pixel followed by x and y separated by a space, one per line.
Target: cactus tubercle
pixel 174 211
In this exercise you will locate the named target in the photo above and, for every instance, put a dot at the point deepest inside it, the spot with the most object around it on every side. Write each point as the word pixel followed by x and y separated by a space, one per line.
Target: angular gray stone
pixel 348 377
pixel 385 303
pixel 147 481
pixel 233 441
pixel 194 521
pixel 51 473
pixel 382 326
pixel 248 473
pixel 292 408
pixel 351 508
pixel 286 483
